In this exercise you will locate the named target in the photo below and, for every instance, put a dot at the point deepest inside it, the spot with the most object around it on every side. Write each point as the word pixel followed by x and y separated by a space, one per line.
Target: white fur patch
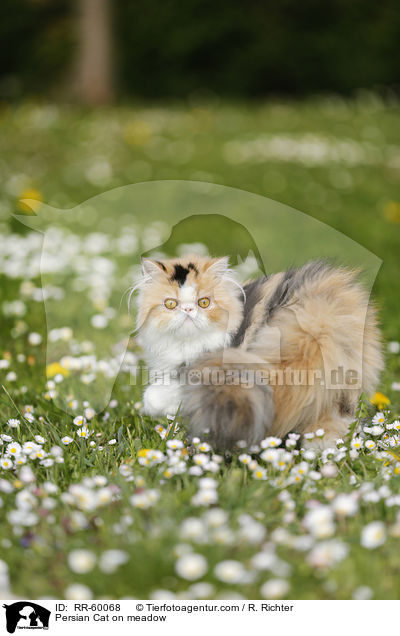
pixel 160 399
pixel 168 350
pixel 188 294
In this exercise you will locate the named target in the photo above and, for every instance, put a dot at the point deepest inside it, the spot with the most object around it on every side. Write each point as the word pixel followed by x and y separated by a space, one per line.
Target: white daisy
pixel 191 566
pixel 373 535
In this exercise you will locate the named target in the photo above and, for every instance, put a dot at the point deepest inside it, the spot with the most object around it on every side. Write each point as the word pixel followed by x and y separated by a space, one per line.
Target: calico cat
pixel 295 332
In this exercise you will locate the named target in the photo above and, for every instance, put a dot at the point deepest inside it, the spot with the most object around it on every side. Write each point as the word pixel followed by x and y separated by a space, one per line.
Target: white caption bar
pixel 21 617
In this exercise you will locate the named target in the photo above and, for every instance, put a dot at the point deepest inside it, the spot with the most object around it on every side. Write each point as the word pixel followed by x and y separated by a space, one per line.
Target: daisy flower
pixel 345 505
pixel 319 522
pixel 111 560
pixel 271 442
pixel 13 423
pixel 6 463
pixel 205 497
pixel 175 444
pixel 195 470
pixel 191 566
pixel 230 571
pixel 27 475
pixel 373 535
pixel 78 592
pixel 79 420
pixel 260 473
pixel 34 339
pixel 200 459
pixel 194 529
pixel 83 432
pixel 329 470
pixel 269 455
pixel 204 447
pixel 13 449
pixel 327 553
pixel 363 593
pixel 207 483
pixel 201 590
pixel 161 431
pixel 379 418
pixel 376 430
pixel 81 561
pixel 47 462
pixel 244 458
pixel 215 517
pixel 145 499
pixel 274 588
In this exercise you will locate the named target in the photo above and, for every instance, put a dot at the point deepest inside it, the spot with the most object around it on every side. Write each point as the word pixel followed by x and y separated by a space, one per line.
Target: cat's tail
pixel 225 397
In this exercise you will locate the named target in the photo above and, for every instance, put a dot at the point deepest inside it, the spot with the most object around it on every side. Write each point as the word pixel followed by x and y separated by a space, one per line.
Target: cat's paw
pixel 160 400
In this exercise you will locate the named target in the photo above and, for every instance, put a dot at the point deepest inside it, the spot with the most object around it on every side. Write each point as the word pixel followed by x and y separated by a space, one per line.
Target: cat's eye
pixel 203 302
pixel 170 303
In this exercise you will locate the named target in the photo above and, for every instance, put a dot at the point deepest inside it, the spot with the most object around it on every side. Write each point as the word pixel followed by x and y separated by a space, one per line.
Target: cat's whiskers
pixel 133 288
pixel 232 279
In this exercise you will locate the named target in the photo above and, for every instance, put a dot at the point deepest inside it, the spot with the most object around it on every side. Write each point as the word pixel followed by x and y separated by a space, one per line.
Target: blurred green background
pixel 172 48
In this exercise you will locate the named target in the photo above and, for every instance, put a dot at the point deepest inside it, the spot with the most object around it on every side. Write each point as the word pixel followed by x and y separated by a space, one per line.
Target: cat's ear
pixel 152 268
pixel 219 266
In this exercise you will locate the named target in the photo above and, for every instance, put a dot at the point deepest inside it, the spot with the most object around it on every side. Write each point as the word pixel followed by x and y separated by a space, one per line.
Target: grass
pixel 64 157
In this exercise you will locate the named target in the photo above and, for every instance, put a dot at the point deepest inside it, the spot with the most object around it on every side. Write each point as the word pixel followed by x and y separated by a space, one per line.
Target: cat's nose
pixel 188 308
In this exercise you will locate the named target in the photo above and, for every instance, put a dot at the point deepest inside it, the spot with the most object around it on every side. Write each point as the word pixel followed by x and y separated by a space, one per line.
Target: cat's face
pixel 188 296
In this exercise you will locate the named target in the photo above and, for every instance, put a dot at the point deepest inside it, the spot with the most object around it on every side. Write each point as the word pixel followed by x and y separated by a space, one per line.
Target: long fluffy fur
pixel 228 412
pixel 322 319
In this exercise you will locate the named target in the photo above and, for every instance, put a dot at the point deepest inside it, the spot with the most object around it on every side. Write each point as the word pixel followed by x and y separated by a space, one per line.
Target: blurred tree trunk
pixel 93 83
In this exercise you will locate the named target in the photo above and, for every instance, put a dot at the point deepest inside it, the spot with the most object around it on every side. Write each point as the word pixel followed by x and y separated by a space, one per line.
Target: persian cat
pixel 306 342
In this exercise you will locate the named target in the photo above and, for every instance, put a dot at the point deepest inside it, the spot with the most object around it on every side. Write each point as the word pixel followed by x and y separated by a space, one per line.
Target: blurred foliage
pixel 36 42
pixel 176 49
pixel 267 148
pixel 257 48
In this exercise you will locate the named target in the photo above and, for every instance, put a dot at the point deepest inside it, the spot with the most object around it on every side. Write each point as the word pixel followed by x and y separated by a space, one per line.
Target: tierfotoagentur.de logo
pixel 26 615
